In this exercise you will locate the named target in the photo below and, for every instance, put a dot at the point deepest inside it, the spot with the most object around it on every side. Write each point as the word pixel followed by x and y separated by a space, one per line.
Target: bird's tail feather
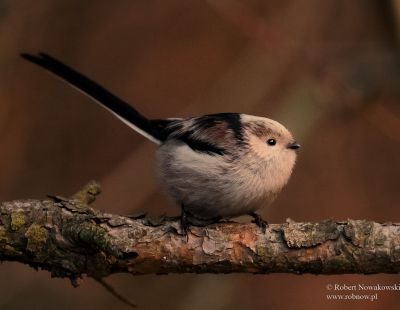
pixel 99 94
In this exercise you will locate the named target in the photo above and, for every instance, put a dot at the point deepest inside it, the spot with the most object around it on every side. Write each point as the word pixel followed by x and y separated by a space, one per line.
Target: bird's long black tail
pixel 98 93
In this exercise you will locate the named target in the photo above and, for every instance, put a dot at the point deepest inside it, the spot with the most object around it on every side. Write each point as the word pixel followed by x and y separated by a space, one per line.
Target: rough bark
pixel 68 238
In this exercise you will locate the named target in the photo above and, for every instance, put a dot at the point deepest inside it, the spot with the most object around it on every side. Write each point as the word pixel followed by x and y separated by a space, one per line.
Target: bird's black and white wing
pixel 215 134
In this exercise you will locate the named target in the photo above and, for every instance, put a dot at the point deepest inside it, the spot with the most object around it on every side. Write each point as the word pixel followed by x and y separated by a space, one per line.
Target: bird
pixel 215 166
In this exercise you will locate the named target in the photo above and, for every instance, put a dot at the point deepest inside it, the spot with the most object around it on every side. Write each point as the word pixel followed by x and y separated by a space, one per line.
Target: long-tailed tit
pixel 215 166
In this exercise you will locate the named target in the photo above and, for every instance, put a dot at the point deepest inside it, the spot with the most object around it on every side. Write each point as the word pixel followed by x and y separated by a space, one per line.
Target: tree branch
pixel 68 238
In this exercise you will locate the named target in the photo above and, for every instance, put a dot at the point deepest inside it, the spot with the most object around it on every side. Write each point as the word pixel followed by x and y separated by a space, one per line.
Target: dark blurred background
pixel 329 70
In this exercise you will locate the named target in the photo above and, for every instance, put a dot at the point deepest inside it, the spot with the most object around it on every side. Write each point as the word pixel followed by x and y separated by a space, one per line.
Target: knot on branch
pixel 88 193
pixel 87 235
pixel 299 235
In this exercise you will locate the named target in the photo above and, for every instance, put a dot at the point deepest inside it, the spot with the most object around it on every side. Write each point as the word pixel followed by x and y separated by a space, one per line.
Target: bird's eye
pixel 271 142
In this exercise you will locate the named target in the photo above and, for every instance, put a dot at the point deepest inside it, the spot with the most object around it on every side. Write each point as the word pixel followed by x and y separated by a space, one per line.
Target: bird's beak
pixel 293 145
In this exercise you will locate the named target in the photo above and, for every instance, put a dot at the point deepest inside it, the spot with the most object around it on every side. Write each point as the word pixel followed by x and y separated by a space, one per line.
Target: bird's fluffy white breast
pixel 211 186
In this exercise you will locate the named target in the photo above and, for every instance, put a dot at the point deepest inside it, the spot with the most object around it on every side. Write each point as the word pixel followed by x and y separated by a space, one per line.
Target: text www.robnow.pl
pixel 352 296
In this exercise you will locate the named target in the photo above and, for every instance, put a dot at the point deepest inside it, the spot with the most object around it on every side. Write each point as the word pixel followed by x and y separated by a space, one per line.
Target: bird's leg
pixel 184 221
pixel 188 219
pixel 258 220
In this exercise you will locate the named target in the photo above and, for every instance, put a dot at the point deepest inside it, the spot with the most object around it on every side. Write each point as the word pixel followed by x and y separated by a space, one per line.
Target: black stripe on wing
pixel 94 90
pixel 201 145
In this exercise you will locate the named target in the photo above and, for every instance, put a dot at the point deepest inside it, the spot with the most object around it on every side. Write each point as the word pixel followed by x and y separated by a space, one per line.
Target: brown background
pixel 328 70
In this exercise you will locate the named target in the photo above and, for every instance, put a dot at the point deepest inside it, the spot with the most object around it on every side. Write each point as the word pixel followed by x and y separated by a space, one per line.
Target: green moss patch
pixel 17 220
pixel 3 235
pixel 37 237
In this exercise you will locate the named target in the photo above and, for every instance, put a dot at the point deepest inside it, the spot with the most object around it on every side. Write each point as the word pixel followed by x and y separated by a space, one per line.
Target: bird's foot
pixel 187 220
pixel 258 220
pixel 185 224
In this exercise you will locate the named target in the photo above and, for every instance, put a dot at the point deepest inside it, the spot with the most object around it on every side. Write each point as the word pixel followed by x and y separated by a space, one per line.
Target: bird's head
pixel 271 144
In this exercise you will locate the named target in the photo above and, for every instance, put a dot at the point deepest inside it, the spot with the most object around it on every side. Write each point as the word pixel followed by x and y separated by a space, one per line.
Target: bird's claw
pixel 259 221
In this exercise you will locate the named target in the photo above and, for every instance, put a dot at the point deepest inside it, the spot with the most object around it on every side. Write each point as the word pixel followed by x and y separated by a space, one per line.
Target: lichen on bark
pixel 36 236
